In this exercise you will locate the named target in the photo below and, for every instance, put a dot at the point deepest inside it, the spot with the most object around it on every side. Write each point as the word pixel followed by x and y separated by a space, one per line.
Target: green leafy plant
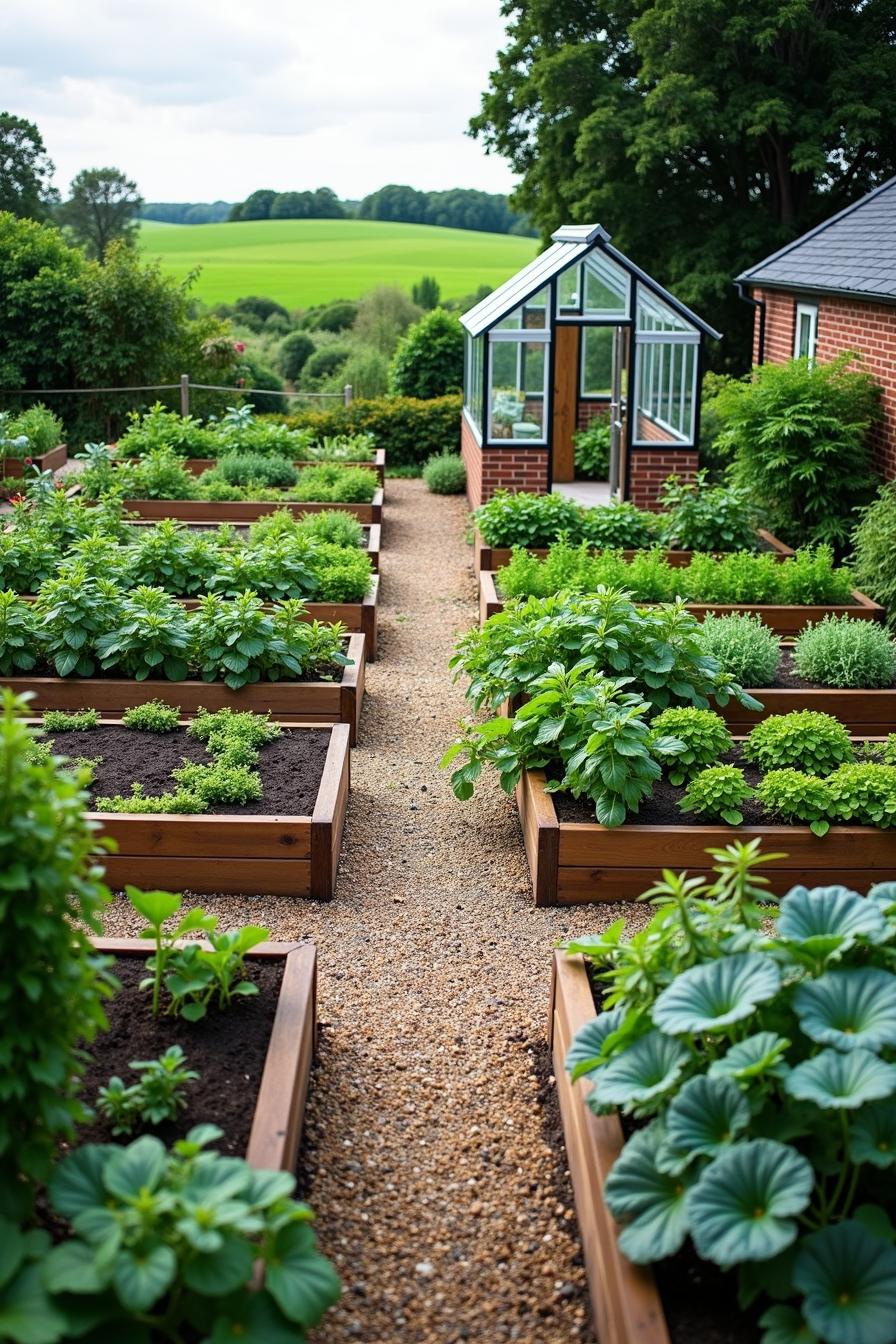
pixel 445 474
pixel 794 796
pixel 703 517
pixel 805 740
pixel 17 635
pixel 704 735
pixel 164 1244
pixel 71 614
pixel 331 483
pixel 617 524
pixel 592 451
pixel 717 793
pixel 54 984
pixel 759 1070
pixel 332 525
pixel 151 637
pixel 155 716
pixel 743 645
pixel 31 433
pixel 874 550
pixel 158 1095
pixel 429 358
pixel 522 519
pixel 158 428
pixel 842 652
pixel 76 721
pixel 865 793
pixel 249 468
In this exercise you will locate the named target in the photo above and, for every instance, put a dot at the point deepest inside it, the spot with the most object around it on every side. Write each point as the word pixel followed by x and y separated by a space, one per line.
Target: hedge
pixel 409 429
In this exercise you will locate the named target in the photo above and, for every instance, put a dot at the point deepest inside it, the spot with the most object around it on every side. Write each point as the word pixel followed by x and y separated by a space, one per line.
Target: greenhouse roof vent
pixel 580 233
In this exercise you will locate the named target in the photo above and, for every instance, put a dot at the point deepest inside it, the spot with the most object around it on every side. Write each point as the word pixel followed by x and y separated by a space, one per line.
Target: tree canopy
pixel 102 206
pixel 459 208
pixel 26 170
pixel 703 134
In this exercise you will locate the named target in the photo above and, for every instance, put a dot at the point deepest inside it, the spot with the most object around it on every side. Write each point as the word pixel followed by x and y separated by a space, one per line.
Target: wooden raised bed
pixel 495 557
pixel 51 461
pixel 314 702
pixel 237 855
pixel 197 465
pixel 373 531
pixel 574 863
pixel 280 1105
pixel 864 713
pixel 625 1302
pixel 246 510
pixel 786 621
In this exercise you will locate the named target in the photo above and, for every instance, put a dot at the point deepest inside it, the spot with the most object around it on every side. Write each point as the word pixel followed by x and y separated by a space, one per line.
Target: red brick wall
pixel 843 324
pixel 489 469
pixel 649 469
pixel 591 410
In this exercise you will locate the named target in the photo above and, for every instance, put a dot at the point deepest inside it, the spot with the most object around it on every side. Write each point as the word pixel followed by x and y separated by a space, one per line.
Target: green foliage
pixel 161 428
pixel 54 984
pixel 40 429
pixel 717 793
pixel 704 735
pixel 293 353
pixel 409 428
pixel 332 525
pixel 704 517
pixel 26 186
pixel 426 294
pixel 240 643
pixel 429 358
pixel 592 450
pixel 151 637
pixel 247 468
pixel 157 1096
pixel 77 721
pixel 803 740
pixel 761 1067
pixel 864 793
pixel 154 716
pixel 793 796
pixel 17 634
pixel 874 544
pixel 103 205
pixel 842 652
pixel 799 435
pixel 617 524
pixel 333 484
pixel 743 645
pixel 324 363
pixel 446 474
pixel 204 1221
pixel 522 519
pixel 657 651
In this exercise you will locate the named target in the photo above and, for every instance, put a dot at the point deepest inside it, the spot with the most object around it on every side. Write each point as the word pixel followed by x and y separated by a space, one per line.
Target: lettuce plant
pixel 759 1069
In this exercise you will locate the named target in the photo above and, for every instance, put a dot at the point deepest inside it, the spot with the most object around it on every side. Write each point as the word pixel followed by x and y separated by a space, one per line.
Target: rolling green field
pixel 300 262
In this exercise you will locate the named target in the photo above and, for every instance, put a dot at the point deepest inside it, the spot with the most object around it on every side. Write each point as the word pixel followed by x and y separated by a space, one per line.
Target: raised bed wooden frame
pixel 280 1106
pixel 495 557
pixel 786 621
pixel 237 855
pixel 14 467
pixel 321 703
pixel 246 510
pixel 625 1302
pixel 197 465
pixel 864 713
pixel 576 863
pixel 372 549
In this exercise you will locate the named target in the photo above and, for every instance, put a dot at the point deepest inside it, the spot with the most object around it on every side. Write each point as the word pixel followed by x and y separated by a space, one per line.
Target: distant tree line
pixel 459 208
pixel 187 212
pixel 266 204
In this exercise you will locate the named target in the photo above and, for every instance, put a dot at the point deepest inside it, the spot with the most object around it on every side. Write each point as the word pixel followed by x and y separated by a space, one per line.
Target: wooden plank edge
pixel 329 814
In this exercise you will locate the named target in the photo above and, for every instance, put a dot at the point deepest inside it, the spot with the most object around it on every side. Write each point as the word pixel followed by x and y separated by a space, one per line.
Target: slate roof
pixel 854 252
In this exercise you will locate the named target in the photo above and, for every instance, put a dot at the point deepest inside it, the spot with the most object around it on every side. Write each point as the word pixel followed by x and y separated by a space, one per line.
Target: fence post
pixel 347 393
pixel 185 394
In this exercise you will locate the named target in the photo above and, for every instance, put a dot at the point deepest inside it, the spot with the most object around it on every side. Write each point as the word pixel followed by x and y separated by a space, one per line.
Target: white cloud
pixel 206 99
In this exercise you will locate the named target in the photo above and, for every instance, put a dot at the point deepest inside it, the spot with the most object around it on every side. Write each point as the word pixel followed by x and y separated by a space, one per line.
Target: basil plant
pixel 762 1067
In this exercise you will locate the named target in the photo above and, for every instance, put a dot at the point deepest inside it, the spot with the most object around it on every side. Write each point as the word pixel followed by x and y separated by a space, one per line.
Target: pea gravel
pixel 433 1153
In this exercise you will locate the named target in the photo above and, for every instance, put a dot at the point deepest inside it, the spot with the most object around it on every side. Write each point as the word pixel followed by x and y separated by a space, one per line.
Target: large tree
pixel 26 170
pixel 703 134
pixel 102 206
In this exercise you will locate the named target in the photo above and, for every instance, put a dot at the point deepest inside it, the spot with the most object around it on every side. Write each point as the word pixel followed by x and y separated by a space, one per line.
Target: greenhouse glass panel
pixel 569 291
pixel 597 361
pixel 530 316
pixel 606 289
pixel 666 392
pixel 518 373
pixel 654 315
pixel 474 356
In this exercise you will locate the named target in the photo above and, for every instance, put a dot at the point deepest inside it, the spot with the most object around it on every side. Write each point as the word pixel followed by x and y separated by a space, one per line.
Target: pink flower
pixel 29 461
pixel 239 346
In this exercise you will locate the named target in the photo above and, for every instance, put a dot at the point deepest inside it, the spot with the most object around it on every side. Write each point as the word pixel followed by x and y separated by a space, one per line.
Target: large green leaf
pixel 12 1249
pixel 154 906
pixel 849 1280
pixel 837 1081
pixel 77 1183
pixel 649 1203
pixel 583 1055
pixel 872 1134
pixel 142 1275
pixel 706 1116
pixel 785 1325
pixel 301 1281
pixel 712 995
pixel 849 1009
pixel 883 895
pixel 139 1167
pixel 827 918
pixel 27 1316
pixel 222 1271
pixel 253 1318
pixel 641 1072
pixel 744 1204
pixel 71 1268
pixel 758 1056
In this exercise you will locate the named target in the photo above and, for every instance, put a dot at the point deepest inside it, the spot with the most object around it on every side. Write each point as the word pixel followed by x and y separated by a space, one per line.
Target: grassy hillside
pixel 300 262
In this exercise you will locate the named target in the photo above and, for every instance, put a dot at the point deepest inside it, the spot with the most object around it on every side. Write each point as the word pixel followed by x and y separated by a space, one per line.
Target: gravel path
pixel 433 1153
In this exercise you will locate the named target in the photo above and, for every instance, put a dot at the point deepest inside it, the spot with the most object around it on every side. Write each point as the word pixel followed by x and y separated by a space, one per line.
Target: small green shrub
pixel 429 358
pixel 804 740
pixel 158 428
pixel 246 468
pixel 523 519
pixel 618 525
pixel 874 547
pixel 77 721
pixel 410 429
pixel 864 793
pixel 446 474
pixel 717 794
pixel 155 716
pixel 219 784
pixel 39 426
pixel 332 525
pixel 592 451
pixel 703 733
pixel 794 796
pixel 331 483
pixel 220 729
pixel 703 517
pixel 157 1096
pixel 325 363
pixel 743 645
pixel 839 651
pixel 293 353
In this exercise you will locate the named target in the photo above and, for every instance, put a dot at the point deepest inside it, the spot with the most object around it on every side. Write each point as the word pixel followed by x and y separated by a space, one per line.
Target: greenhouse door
pixel 618 437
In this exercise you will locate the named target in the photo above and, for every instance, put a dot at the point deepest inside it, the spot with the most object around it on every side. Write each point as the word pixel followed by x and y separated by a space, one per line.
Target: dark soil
pixel 291 766
pixel 227 1048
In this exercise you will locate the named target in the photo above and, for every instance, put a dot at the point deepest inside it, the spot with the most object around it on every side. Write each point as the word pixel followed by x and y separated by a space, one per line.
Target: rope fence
pixel 184 386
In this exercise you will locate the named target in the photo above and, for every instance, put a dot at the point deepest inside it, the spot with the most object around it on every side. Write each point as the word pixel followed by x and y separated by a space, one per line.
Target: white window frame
pixel 525 336
pixel 809 310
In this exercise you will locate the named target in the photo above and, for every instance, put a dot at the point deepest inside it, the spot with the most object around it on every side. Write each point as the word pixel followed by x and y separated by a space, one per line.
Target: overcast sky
pixel 208 99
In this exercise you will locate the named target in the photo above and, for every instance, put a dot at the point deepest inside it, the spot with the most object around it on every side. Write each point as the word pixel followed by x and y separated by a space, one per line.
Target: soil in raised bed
pixel 290 767
pixel 227 1048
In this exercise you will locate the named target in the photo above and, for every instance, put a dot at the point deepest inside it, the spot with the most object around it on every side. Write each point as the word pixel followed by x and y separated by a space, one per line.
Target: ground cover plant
pixel 83 626
pixel 758 1070
pixel 808 577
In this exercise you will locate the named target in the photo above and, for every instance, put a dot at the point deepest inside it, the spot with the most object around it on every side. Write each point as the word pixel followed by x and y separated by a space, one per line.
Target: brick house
pixel 833 290
pixel 580 332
